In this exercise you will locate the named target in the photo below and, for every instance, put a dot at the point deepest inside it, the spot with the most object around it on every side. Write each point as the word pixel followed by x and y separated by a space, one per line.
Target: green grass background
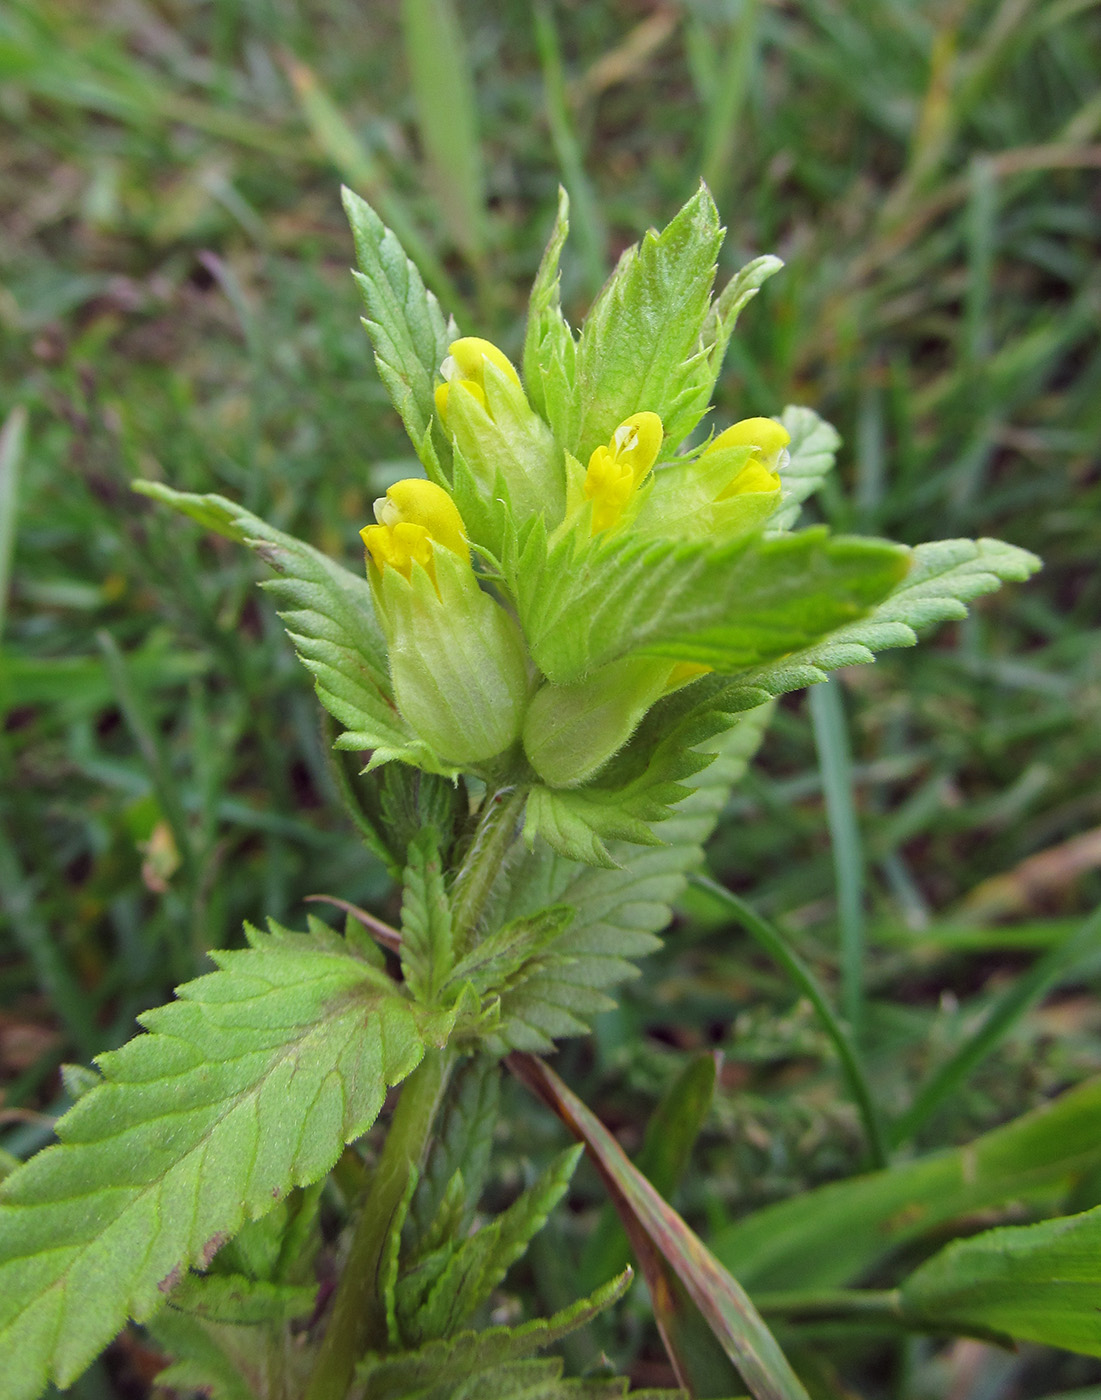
pixel 176 304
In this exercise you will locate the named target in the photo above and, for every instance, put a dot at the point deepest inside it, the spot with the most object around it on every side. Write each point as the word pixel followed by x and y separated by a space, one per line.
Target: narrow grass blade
pixel 588 226
pixel 1058 964
pixel 144 730
pixel 447 118
pixel 12 440
pixel 671 1256
pixel 831 739
pixel 727 101
pixel 339 143
pixel 808 984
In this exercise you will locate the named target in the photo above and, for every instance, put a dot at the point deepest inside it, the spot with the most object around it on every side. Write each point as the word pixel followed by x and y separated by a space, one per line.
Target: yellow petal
pixel 765 434
pixel 754 476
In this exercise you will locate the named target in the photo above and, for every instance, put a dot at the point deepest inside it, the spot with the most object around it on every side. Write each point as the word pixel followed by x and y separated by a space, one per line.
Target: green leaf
pixel 407 328
pixel 427 950
pixel 835 1234
pixel 550 351
pixel 233 1298
pixel 944 575
pixel 204 1358
pixel 639 340
pixel 812 452
pixel 730 607
pixel 246 1086
pixel 501 956
pixel 1035 1283
pixel 619 909
pixel 444 1290
pixel 430 1371
pixel 460 1147
pixel 702 371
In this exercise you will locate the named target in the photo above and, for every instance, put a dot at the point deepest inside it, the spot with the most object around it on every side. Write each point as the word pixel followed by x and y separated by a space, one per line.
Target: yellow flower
pixel 464 368
pixel 616 471
pixel 768 440
pixel 412 517
pixel 457 661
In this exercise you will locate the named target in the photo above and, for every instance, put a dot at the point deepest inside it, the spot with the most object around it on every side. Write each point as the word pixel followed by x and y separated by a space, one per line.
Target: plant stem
pixel 488 851
pixel 358 1319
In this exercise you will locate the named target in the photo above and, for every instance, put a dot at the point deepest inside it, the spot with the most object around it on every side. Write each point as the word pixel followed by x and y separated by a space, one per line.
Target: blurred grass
pixel 176 304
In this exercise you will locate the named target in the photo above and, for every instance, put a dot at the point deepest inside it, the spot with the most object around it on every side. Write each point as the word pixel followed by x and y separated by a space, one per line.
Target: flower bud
pixel 570 731
pixel 457 660
pixel 731 488
pixel 482 405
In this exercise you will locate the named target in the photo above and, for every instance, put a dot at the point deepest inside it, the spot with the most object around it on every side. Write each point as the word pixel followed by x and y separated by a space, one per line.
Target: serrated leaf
pixel 201 1360
pixel 427 1371
pixel 500 956
pixel 407 328
pixel 619 909
pixel 427 950
pixel 246 1086
pixel 462 1144
pixel 702 372
pixel 835 1234
pixel 812 452
pixel 729 607
pixel 943 576
pixel 550 351
pixel 233 1298
pixel 543 1380
pixel 329 617
pixel 640 336
pixel 443 1291
pixel 1035 1283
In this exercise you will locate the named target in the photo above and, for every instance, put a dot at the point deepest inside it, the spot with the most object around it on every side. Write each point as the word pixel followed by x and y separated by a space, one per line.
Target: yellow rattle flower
pixel 616 471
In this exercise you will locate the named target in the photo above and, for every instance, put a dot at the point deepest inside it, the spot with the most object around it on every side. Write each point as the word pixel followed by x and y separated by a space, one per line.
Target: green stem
pixel 807 983
pixel 483 863
pixel 357 1323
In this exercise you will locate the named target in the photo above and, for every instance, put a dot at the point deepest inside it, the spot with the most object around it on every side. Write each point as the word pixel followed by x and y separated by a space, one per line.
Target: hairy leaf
pixel 812 452
pixel 407 328
pixel 431 1369
pixel 944 575
pixel 445 1289
pixel 729 607
pixel 619 909
pixel 501 956
pixel 246 1086
pixel 702 370
pixel 1035 1283
pixel 460 1147
pixel 233 1298
pixel 427 952
pixel 550 351
pixel 637 344
pixel 205 1359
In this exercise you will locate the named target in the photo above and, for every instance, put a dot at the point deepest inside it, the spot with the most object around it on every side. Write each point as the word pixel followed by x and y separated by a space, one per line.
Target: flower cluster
pixel 464 675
